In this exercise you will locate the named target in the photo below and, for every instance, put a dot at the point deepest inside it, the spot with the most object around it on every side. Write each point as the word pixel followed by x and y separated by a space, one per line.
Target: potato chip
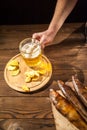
pixel 35 78
pixel 14 63
pixel 15 72
pixel 13 66
pixel 10 68
pixel 25 88
pixel 29 73
pixel 27 79
pixel 36 74
pixel 42 71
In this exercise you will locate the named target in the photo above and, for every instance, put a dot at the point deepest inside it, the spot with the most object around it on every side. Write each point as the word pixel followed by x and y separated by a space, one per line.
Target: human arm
pixel 62 10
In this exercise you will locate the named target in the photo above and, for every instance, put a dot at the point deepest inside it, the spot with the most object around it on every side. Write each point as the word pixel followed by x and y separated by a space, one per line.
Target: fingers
pixel 45 37
pixel 43 41
pixel 40 37
pixel 36 36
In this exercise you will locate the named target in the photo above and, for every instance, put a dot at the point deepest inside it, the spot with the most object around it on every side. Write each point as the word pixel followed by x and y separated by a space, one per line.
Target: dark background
pixel 37 11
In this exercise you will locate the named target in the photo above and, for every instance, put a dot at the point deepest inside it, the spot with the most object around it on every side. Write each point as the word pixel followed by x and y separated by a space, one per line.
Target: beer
pixel 31 51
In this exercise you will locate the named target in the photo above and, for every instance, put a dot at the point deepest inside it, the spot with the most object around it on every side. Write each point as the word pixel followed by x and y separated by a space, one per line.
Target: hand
pixel 45 37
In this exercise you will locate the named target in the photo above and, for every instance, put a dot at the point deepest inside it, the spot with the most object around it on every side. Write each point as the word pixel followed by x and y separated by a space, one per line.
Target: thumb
pixel 36 35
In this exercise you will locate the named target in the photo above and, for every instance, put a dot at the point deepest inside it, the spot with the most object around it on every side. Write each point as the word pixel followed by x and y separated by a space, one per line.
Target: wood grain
pixel 27 124
pixel 67 54
pixel 22 107
pixel 17 82
pixel 11 36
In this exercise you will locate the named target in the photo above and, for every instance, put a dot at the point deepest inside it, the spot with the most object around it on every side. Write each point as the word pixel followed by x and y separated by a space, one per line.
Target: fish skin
pixel 80 89
pixel 72 98
pixel 67 110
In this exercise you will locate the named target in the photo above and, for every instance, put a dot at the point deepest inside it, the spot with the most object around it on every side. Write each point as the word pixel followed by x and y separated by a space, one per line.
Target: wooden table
pixel 68 55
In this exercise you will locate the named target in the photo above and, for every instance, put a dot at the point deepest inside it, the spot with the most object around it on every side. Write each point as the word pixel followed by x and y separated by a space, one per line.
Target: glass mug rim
pixel 24 41
pixel 32 54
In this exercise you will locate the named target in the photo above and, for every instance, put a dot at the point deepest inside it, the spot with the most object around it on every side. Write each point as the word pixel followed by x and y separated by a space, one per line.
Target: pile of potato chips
pixel 13 67
pixel 30 75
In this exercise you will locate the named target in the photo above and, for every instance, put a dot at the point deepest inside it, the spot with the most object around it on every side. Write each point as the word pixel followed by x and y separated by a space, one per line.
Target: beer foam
pixel 30 50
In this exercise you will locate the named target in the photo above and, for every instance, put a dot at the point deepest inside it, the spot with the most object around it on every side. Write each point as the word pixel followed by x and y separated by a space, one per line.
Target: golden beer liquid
pixel 31 52
pixel 32 62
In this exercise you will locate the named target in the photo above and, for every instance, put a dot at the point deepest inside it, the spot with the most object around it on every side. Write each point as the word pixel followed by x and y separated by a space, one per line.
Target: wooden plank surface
pixel 10 36
pixel 67 55
pixel 27 124
pixel 22 107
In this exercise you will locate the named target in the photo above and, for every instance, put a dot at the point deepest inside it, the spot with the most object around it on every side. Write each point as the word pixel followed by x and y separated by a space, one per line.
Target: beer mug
pixel 31 51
